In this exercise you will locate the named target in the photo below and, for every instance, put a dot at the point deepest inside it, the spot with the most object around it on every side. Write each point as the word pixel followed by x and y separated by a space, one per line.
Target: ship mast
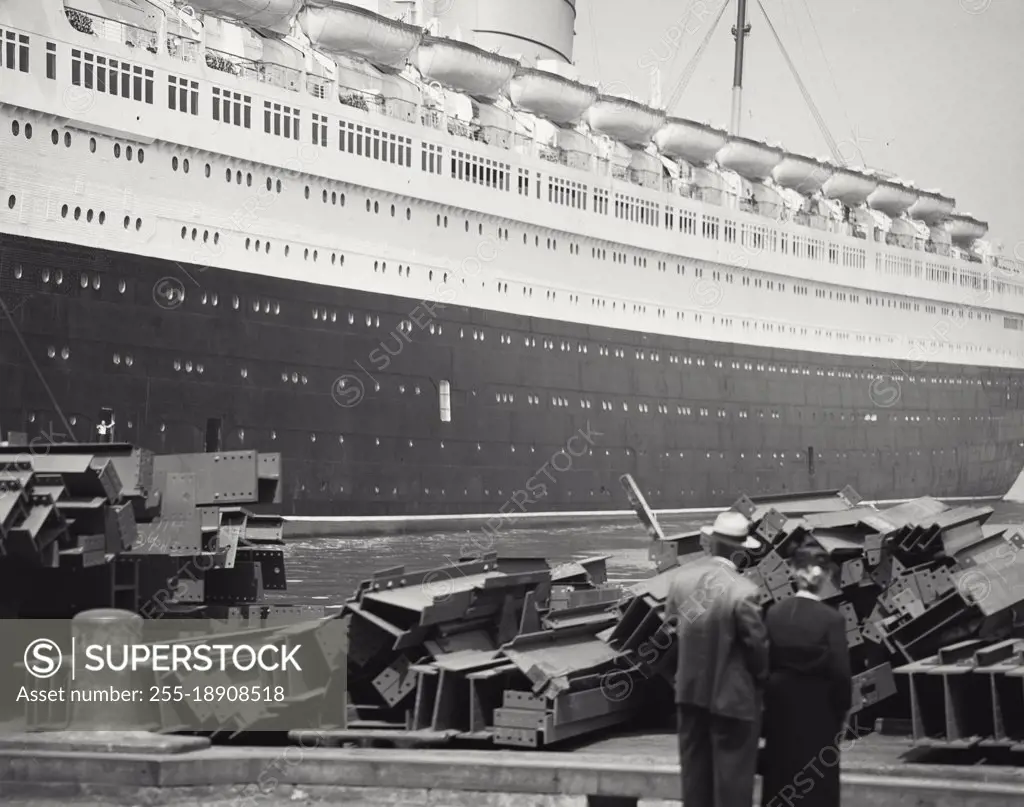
pixel 739 33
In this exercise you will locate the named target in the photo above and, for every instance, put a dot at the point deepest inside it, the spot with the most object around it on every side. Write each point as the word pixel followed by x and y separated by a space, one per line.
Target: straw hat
pixel 733 527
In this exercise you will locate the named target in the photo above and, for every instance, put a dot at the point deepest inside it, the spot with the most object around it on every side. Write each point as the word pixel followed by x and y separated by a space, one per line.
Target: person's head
pixel 729 537
pixel 811 566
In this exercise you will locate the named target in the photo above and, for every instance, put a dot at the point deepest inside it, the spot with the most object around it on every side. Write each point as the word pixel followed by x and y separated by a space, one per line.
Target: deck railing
pixel 191 50
pixel 134 36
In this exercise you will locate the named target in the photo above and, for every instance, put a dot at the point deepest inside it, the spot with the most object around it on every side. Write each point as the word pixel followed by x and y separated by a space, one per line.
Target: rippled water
pixel 326 570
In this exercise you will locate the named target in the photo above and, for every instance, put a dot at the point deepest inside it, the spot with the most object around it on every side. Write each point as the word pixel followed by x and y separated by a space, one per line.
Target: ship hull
pixel 532 427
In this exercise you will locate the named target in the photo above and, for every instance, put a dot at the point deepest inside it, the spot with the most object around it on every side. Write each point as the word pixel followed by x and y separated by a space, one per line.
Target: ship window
pixel 444 401
pixel 51 60
pixel 183 95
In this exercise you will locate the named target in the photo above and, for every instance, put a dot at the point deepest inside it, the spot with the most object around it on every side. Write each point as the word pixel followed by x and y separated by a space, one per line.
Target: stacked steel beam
pixel 110 525
pixel 492 654
pixel 485 649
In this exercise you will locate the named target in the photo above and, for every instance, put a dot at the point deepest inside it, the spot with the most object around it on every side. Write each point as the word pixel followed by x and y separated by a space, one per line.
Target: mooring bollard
pixel 98 698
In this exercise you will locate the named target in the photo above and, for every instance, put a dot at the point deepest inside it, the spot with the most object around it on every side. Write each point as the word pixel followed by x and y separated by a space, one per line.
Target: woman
pixel 808 691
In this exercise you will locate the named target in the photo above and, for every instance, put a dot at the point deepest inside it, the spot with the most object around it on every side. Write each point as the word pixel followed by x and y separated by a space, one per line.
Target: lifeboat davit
pixel 892 198
pixel 750 159
pixel 931 207
pixel 342 28
pixel 805 175
pixel 464 67
pixel 697 143
pixel 264 15
pixel 964 229
pixel 848 186
pixel 551 96
pixel 626 121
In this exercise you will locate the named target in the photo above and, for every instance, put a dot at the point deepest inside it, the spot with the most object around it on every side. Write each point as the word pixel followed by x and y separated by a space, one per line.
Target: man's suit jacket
pixel 723 644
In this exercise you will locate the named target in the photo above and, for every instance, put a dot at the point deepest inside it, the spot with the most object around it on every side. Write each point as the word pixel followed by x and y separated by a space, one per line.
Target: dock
pixel 625 771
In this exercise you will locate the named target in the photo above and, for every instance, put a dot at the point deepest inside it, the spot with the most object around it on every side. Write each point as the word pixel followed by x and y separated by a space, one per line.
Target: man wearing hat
pixel 721 669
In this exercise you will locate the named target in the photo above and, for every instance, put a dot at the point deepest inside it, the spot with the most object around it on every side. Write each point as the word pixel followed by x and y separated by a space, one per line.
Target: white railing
pixel 123 33
pixel 190 50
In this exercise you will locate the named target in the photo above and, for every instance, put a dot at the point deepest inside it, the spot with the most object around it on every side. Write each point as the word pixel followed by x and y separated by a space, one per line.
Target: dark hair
pixel 809 553
pixel 812 566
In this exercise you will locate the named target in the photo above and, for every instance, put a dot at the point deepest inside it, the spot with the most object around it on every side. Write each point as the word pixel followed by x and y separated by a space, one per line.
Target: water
pixel 326 570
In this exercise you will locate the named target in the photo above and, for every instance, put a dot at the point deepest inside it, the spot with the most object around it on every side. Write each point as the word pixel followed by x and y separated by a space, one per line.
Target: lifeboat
pixel 464 67
pixel 964 229
pixel 849 186
pixel 697 143
pixel 805 175
pixel 931 207
pixel 550 96
pixel 336 27
pixel 892 198
pixel 906 228
pixel 626 121
pixel 264 15
pixel 749 158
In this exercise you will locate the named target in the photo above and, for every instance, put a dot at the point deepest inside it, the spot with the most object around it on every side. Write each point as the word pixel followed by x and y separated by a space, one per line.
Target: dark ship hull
pixel 544 415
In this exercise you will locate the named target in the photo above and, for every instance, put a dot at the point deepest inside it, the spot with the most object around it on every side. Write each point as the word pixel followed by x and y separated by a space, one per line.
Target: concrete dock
pixel 139 769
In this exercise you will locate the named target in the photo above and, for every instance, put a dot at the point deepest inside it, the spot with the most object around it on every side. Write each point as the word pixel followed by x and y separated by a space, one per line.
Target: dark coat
pixel 723 649
pixel 806 701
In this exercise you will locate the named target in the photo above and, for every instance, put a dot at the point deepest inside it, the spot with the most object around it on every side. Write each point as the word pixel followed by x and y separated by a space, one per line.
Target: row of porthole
pixel 551 243
pixel 216 238
pixel 55 138
pixel 188 367
pixel 102 218
pixel 140 155
pixel 195 235
pixel 141 158
pixel 129 360
pixel 268 306
pixel 480 336
pixel 821 455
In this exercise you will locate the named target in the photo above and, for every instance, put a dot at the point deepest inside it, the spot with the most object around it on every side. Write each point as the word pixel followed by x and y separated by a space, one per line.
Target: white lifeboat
pixel 849 186
pixel 905 228
pixel 892 198
pixel 697 143
pixel 551 96
pixel 749 158
pixel 265 15
pixel 805 175
pixel 964 229
pixel 464 67
pixel 337 27
pixel 931 207
pixel 626 121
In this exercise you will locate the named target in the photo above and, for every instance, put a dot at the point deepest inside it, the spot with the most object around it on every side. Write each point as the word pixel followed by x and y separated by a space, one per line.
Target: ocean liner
pixel 407 249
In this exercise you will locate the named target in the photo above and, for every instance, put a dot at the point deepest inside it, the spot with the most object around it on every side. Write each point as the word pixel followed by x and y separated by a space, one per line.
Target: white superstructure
pixel 325 141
